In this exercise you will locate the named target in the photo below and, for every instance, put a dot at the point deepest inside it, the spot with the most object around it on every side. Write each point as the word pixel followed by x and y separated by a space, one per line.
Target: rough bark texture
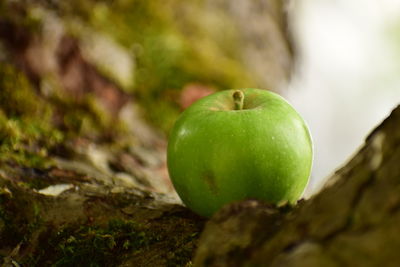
pixel 352 222
pixel 94 225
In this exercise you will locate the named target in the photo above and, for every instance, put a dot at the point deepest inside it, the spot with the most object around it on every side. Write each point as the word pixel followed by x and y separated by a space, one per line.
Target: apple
pixel 239 144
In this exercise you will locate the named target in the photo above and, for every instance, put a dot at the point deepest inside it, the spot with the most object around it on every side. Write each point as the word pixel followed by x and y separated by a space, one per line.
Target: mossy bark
pixel 94 226
pixel 83 176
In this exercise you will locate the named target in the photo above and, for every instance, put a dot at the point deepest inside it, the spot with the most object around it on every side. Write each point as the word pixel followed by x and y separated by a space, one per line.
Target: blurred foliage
pixel 25 120
pixel 31 125
pixel 173 43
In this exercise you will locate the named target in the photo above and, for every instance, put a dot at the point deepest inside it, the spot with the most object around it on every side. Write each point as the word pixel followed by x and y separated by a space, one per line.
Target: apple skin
pixel 217 154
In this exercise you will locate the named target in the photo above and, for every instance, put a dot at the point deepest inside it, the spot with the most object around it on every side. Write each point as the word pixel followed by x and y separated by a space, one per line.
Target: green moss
pixel 19 218
pixel 26 131
pixel 182 253
pixel 94 245
pixel 16 96
pixel 21 140
pixel 31 126
pixel 87 118
pixel 82 118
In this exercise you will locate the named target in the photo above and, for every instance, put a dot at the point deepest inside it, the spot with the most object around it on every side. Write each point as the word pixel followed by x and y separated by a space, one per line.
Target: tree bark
pixel 83 176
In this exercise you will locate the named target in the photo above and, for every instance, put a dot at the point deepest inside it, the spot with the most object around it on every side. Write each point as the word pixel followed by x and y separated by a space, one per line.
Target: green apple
pixel 239 144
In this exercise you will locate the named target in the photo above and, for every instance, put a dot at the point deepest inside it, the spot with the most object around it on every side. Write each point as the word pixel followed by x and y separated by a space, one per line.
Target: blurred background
pixel 347 77
pixel 104 81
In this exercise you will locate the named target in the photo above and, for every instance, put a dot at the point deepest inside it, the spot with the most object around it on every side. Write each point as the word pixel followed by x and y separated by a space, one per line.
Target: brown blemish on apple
pixel 209 178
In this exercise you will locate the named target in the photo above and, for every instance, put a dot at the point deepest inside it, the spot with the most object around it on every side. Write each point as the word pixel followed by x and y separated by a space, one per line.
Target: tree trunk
pixel 83 178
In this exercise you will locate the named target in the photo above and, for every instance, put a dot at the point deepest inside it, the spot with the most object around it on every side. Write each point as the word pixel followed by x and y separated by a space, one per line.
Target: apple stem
pixel 238 98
